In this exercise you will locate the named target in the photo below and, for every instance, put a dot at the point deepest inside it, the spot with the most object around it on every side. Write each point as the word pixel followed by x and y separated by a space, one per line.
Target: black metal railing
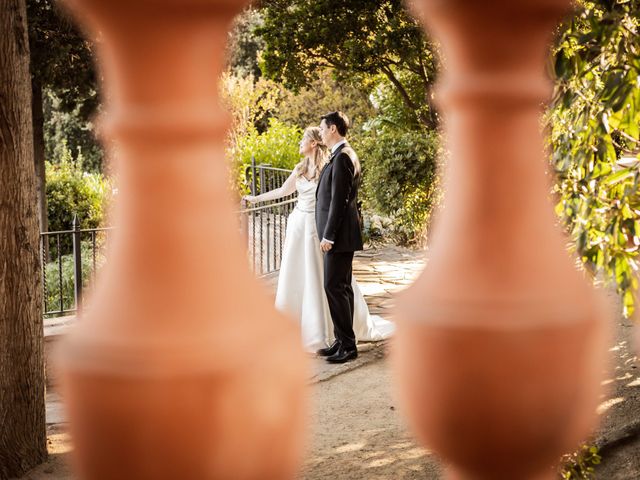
pixel 70 261
pixel 264 226
pixel 265 223
pixel 71 258
pixel 261 178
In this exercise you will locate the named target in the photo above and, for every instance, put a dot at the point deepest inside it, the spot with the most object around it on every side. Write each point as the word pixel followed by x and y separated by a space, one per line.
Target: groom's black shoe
pixel 328 351
pixel 343 355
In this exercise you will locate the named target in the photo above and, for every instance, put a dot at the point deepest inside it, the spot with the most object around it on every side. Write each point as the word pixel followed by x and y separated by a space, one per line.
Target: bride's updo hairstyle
pixel 318 159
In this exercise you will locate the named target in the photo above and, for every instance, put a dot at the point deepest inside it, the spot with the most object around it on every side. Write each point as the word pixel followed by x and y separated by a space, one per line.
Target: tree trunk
pixel 38 153
pixel 22 402
pixel 429 121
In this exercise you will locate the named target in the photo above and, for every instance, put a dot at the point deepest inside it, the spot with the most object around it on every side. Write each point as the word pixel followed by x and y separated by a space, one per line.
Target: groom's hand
pixel 325 245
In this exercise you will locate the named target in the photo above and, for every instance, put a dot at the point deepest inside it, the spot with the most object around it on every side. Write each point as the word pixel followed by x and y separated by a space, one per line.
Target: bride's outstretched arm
pixel 287 188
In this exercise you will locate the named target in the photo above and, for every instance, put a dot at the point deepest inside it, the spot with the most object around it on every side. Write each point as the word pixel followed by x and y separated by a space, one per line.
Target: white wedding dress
pixel 300 283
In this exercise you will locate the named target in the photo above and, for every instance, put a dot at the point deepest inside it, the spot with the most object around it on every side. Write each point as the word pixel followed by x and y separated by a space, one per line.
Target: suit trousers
pixel 338 269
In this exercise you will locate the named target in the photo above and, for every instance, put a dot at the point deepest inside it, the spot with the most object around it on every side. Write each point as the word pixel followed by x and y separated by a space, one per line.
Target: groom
pixel 338 226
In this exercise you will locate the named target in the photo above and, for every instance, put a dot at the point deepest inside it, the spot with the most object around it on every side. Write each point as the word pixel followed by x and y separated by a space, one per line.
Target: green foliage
pixel 412 218
pixel 580 465
pixel 268 119
pixel 376 66
pixel 278 146
pixel 323 95
pixel 245 45
pixel 57 284
pixel 64 78
pixel 400 178
pixel 594 122
pixel 71 191
pixel 66 130
pixel 357 39
pixel 251 102
pixel 368 59
pixel 61 58
pixel 391 111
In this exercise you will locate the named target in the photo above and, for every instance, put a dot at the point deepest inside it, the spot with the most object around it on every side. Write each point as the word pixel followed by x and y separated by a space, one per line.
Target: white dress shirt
pixel 335 147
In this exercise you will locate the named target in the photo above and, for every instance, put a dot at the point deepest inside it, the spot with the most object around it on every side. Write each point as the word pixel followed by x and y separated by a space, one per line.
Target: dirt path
pixel 618 437
pixel 355 429
pixel 357 433
pixel 367 439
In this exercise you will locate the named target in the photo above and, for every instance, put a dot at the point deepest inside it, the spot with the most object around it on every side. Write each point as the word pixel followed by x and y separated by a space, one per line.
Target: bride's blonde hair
pixel 318 159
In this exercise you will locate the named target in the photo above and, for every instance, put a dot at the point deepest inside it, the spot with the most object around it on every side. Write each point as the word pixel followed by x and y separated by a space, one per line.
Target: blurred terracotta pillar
pixel 501 342
pixel 180 366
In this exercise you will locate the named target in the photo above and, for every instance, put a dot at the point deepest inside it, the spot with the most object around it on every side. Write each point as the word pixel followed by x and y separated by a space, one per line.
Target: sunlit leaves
pixel 399 172
pixel 356 39
pixel 594 124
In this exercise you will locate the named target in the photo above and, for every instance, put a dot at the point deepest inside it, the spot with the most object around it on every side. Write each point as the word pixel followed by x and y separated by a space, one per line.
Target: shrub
pixel 399 178
pixel 71 191
pixel 278 147
pixel 323 95
pixel 581 464
pixel 68 131
pixel 59 276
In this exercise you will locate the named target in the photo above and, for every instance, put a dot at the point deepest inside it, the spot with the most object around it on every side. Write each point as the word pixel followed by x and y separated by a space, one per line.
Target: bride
pixel 300 289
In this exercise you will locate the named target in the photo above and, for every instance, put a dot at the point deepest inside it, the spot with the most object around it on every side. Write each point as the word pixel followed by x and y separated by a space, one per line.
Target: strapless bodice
pixel 306 195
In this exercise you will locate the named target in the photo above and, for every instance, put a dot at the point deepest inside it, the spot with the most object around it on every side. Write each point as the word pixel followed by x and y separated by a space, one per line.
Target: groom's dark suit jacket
pixel 337 217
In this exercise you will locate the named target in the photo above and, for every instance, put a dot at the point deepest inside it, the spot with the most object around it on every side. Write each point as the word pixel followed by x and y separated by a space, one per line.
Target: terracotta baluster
pixel 636 338
pixel 501 342
pixel 180 368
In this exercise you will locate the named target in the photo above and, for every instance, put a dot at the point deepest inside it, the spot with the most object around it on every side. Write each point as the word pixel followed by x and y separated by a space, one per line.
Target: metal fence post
pixel 77 262
pixel 44 259
pixel 262 181
pixel 253 175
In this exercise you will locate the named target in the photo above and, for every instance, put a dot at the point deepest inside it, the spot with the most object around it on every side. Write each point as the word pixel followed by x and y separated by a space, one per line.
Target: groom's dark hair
pixel 338 119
